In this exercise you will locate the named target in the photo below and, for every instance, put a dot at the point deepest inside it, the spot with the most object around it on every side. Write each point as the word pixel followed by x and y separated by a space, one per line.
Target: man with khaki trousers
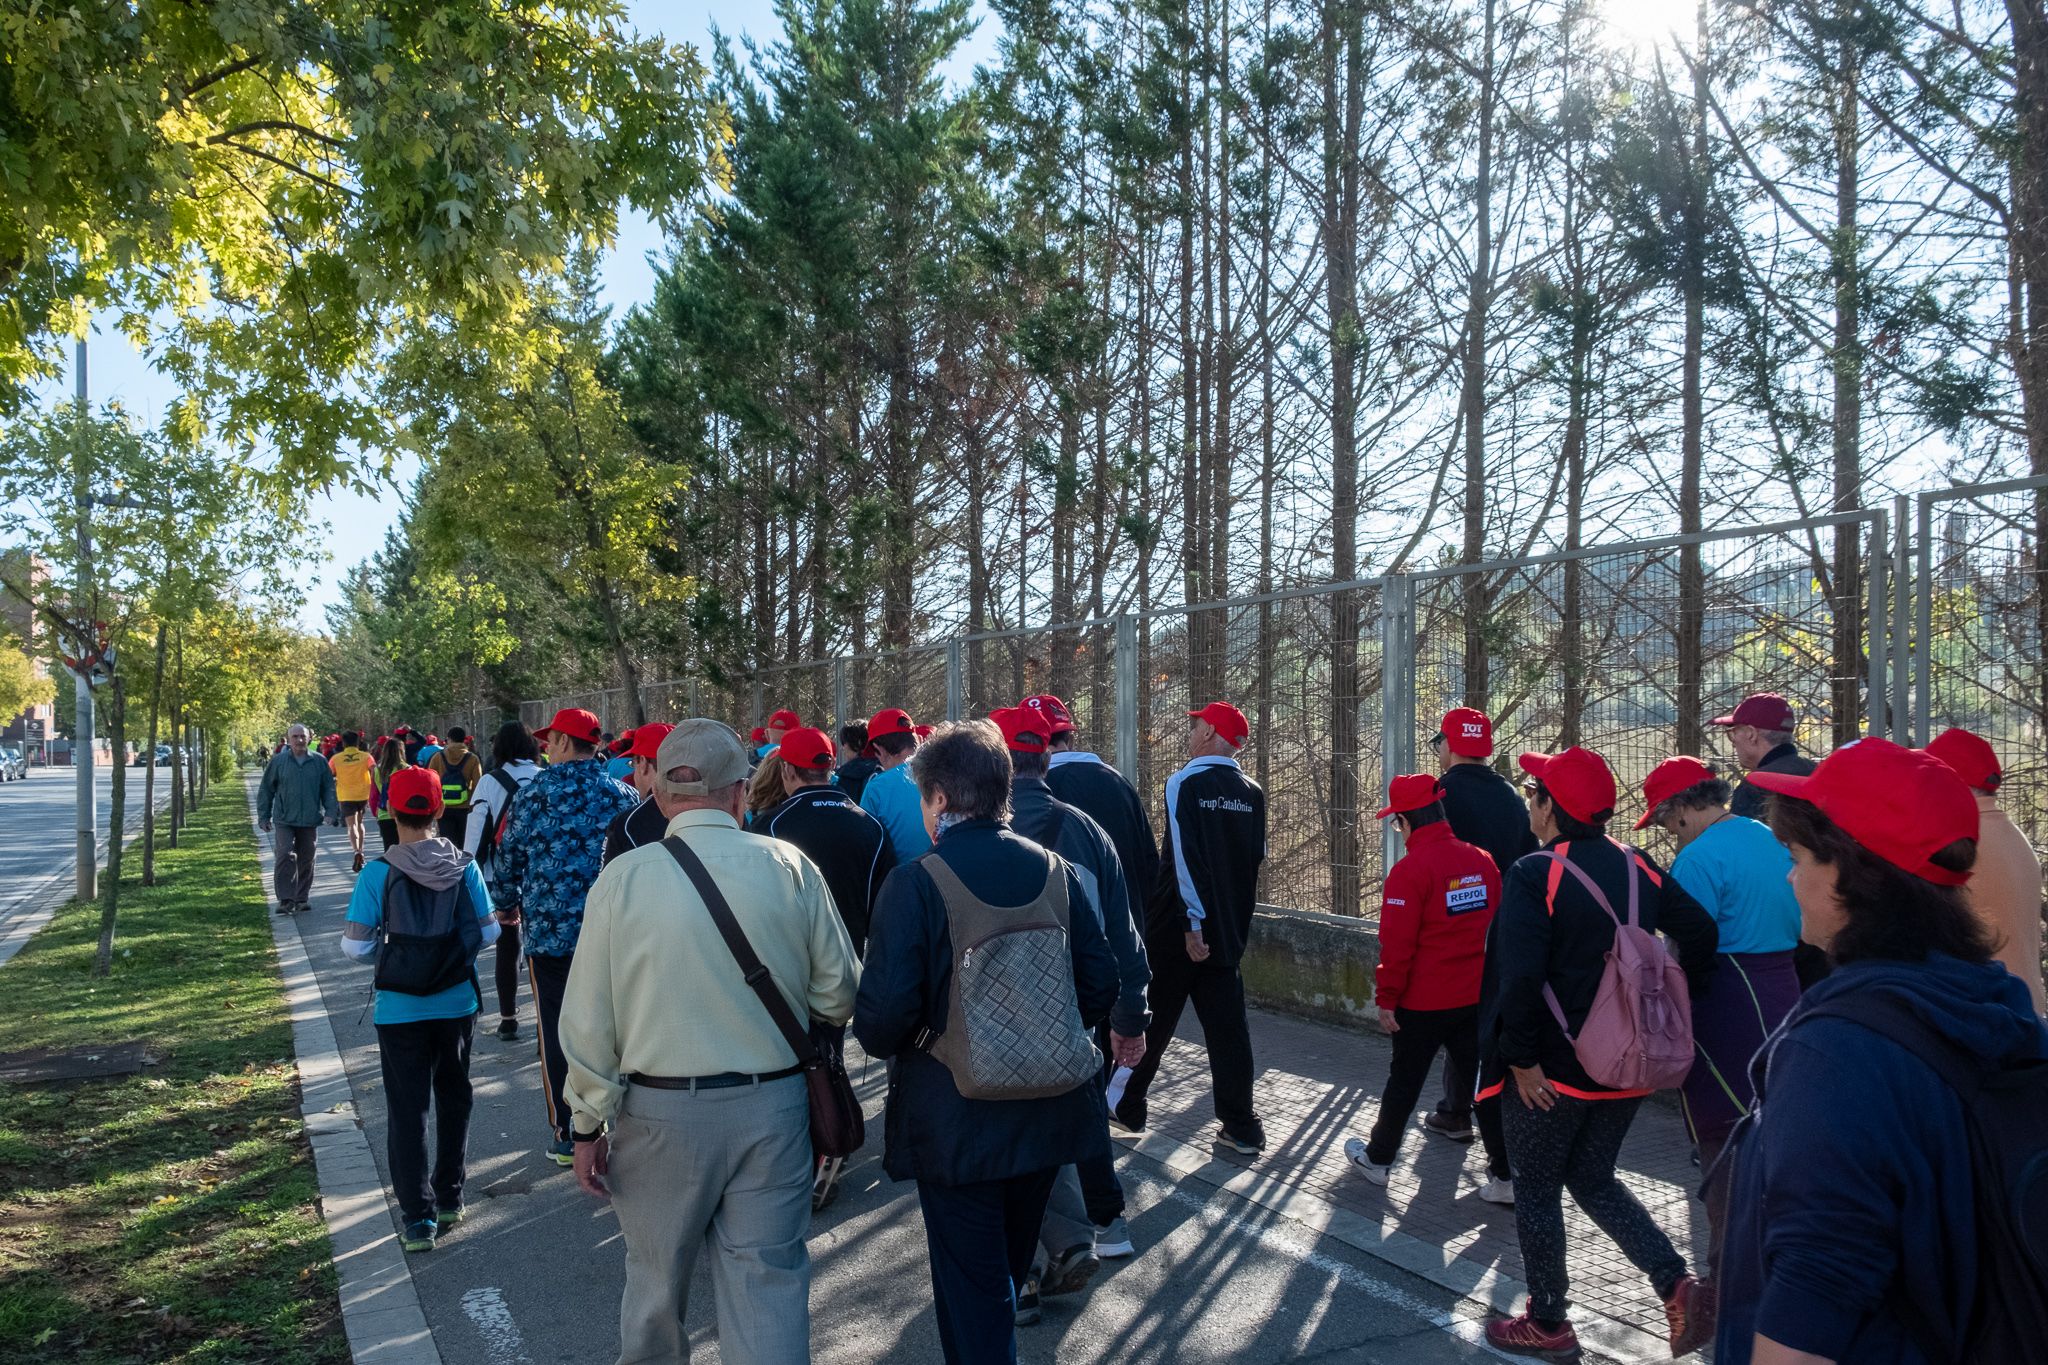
pixel 690 1113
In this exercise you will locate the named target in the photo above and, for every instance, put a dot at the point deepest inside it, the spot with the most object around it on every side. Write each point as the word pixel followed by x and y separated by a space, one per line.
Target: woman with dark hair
pixel 390 759
pixel 1853 1235
pixel 514 762
pixel 984 1167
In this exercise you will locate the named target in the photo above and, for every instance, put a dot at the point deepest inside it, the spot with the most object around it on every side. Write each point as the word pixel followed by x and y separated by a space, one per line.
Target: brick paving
pixel 1319 1084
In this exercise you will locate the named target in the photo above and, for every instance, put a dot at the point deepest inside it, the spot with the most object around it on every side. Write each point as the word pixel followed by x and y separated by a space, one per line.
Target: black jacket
pixel 1086 783
pixel 1209 869
pixel 1752 800
pixel 853 776
pixel 1084 844
pixel 846 843
pixel 932 1132
pixel 632 827
pixel 1532 943
pixel 1484 810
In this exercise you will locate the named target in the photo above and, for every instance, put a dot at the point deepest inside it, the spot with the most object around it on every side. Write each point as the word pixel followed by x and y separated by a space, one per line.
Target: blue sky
pixel 350 525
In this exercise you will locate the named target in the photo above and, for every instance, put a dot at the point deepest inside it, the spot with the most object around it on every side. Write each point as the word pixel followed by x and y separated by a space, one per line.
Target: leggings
pixel 508 971
pixel 1573 1146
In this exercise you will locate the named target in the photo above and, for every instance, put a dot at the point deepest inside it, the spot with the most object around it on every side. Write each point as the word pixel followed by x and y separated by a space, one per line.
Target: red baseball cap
pixel 806 747
pixel 1764 710
pixel 784 720
pixel 1227 721
pixel 1053 709
pixel 1467 733
pixel 893 721
pixel 575 722
pixel 401 732
pixel 923 732
pixel 1901 804
pixel 1668 779
pixel 1025 731
pixel 645 741
pixel 416 791
pixel 1971 756
pixel 1578 779
pixel 1410 792
pixel 621 746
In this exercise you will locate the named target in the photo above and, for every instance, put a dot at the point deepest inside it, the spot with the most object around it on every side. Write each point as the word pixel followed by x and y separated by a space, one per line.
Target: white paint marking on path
pixel 486 1308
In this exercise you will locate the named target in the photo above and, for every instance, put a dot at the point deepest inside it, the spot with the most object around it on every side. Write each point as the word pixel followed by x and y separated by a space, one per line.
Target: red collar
pixel 1438 833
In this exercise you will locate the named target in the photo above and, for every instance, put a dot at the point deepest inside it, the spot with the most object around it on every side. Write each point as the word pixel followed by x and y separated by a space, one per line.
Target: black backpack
pixel 2005 1117
pixel 431 938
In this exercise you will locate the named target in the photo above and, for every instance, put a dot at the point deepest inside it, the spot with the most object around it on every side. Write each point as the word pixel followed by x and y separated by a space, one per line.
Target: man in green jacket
pixel 296 792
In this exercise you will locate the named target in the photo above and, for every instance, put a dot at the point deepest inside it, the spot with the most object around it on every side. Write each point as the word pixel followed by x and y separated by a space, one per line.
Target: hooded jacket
pixel 1853 1190
pixel 435 864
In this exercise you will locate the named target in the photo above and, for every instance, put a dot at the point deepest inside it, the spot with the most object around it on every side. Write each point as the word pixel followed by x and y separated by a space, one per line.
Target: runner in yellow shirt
pixel 353 769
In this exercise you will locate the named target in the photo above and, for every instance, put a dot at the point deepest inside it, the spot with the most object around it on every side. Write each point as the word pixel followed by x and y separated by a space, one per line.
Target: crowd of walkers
pixel 1851 1018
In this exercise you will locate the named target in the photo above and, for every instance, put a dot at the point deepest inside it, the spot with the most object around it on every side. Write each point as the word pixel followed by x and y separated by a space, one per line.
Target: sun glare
pixel 1650 23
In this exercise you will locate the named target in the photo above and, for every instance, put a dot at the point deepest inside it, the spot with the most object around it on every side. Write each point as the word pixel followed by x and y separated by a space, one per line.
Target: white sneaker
pixel 1354 1152
pixel 1498 1192
pixel 1114 1242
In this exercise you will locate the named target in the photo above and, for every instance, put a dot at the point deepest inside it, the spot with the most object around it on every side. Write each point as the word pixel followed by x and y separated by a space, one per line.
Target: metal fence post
pixel 839 690
pixel 1397 694
pixel 956 687
pixel 1876 669
pixel 1902 621
pixel 1127 696
pixel 1923 669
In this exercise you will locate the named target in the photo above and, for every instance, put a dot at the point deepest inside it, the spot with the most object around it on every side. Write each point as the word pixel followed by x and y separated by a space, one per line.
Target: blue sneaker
pixel 562 1153
pixel 418 1236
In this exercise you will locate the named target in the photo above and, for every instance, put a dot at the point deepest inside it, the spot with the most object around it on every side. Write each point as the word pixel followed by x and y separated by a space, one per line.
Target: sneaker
pixel 1354 1152
pixel 1027 1303
pixel 1071 1270
pixel 1498 1192
pixel 1251 1141
pixel 1113 1243
pixel 562 1152
pixel 825 1181
pixel 1129 1117
pixel 508 1029
pixel 284 907
pixel 358 864
pixel 1447 1127
pixel 1524 1336
pixel 1691 1311
pixel 418 1236
pixel 447 1218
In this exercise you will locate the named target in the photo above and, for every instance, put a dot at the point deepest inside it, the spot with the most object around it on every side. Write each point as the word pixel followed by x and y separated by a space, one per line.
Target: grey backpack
pixel 1013 1023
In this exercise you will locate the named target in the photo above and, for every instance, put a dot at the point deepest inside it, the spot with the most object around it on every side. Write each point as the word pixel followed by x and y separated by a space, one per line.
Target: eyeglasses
pixel 1436 741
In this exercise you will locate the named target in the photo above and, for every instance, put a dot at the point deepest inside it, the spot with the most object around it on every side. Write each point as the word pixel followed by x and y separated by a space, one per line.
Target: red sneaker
pixel 1691 1311
pixel 1524 1336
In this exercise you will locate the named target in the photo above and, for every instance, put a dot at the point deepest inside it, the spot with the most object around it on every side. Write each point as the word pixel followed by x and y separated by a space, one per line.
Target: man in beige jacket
pixel 690 1111
pixel 2005 884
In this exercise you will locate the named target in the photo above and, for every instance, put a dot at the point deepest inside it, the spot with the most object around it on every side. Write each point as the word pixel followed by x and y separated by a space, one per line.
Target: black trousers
pixel 454 824
pixel 1217 992
pixel 507 971
pixel 1101 1192
pixel 387 830
pixel 426 1063
pixel 1422 1033
pixel 981 1237
pixel 550 978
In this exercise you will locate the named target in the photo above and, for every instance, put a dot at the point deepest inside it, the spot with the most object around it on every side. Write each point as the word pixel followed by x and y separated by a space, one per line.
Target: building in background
pixel 33 730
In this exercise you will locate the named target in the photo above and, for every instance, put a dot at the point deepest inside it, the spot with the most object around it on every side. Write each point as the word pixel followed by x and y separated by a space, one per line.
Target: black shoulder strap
pixel 1054 827
pixel 793 1033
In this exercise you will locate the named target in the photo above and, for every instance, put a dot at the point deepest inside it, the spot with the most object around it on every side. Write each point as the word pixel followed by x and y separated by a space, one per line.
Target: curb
pixel 380 1307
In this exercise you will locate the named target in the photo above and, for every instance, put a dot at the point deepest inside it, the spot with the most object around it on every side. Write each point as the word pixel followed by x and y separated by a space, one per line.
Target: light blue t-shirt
pixel 620 768
pixel 366 906
pixel 1736 868
pixel 891 797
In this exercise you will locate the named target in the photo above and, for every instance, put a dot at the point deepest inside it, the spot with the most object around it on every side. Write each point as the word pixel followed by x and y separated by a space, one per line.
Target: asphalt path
pixel 39 832
pixel 533 1273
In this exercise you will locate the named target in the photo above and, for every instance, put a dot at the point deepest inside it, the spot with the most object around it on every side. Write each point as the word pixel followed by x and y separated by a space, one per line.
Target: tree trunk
pixel 1692 580
pixel 117 817
pixel 156 697
pixel 1478 603
pixel 622 651
pixel 2030 261
pixel 1202 678
pixel 1263 759
pixel 177 740
pixel 1848 396
pixel 1340 41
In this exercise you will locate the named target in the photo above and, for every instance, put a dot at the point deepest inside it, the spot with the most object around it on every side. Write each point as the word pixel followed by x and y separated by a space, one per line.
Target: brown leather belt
pixel 724 1080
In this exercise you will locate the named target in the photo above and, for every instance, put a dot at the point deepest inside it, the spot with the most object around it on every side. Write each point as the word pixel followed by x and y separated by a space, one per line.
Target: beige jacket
pixel 655 990
pixel 2005 891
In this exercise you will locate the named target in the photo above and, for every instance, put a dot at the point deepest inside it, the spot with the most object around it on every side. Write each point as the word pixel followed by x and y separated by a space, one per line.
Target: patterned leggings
pixel 1573 1146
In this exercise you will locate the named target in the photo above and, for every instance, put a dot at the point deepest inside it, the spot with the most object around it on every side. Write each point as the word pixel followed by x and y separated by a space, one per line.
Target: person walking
pixel 1564 1130
pixel 1199 920
pixel 2004 890
pixel 890 796
pixel 690 1113
pixel 983 1167
pixel 294 795
pixel 1436 906
pixel 1737 870
pixel 423 913
pixel 460 770
pixel 353 769
pixel 514 763
pixel 552 850
pixel 1085 782
pixel 642 823
pixel 1084 1215
pixel 390 758
pixel 1861 1181
pixel 852 777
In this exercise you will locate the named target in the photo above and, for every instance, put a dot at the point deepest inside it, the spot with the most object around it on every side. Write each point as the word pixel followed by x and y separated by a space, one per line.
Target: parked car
pixel 13 767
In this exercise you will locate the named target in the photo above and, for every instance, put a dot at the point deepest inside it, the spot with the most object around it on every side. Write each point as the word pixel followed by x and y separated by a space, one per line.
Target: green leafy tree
pixel 24 681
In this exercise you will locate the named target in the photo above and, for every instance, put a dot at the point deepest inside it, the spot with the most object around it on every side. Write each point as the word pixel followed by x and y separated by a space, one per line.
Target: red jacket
pixel 1438 901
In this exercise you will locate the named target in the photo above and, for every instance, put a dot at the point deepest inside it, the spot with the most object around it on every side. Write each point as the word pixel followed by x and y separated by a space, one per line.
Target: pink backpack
pixel 1638 1035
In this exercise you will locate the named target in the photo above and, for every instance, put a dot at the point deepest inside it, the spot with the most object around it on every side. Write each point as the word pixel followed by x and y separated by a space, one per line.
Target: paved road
pixel 533 1275
pixel 39 838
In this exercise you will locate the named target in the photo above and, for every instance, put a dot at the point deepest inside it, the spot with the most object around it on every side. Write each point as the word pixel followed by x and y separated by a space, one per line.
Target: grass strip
pixel 171 1215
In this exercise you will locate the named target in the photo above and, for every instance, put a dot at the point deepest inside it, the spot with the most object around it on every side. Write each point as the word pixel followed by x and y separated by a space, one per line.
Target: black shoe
pixel 1446 1126
pixel 1249 1140
pixel 1129 1117
pixel 1027 1303
pixel 508 1029
pixel 1070 1271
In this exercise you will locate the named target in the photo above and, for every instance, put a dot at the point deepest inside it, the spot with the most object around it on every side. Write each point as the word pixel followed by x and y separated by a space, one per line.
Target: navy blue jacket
pixel 931 1132
pixel 1484 810
pixel 1852 1185
pixel 1086 783
pixel 1088 850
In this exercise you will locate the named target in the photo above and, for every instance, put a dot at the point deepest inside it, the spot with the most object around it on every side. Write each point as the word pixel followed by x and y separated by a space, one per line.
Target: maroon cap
pixel 892 721
pixel 1025 731
pixel 1971 756
pixel 1226 720
pixel 575 722
pixel 1578 780
pixel 1468 733
pixel 1668 779
pixel 784 720
pixel 1410 792
pixel 1764 710
pixel 1902 804
pixel 646 739
pixel 804 747
pixel 416 791
pixel 1054 710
